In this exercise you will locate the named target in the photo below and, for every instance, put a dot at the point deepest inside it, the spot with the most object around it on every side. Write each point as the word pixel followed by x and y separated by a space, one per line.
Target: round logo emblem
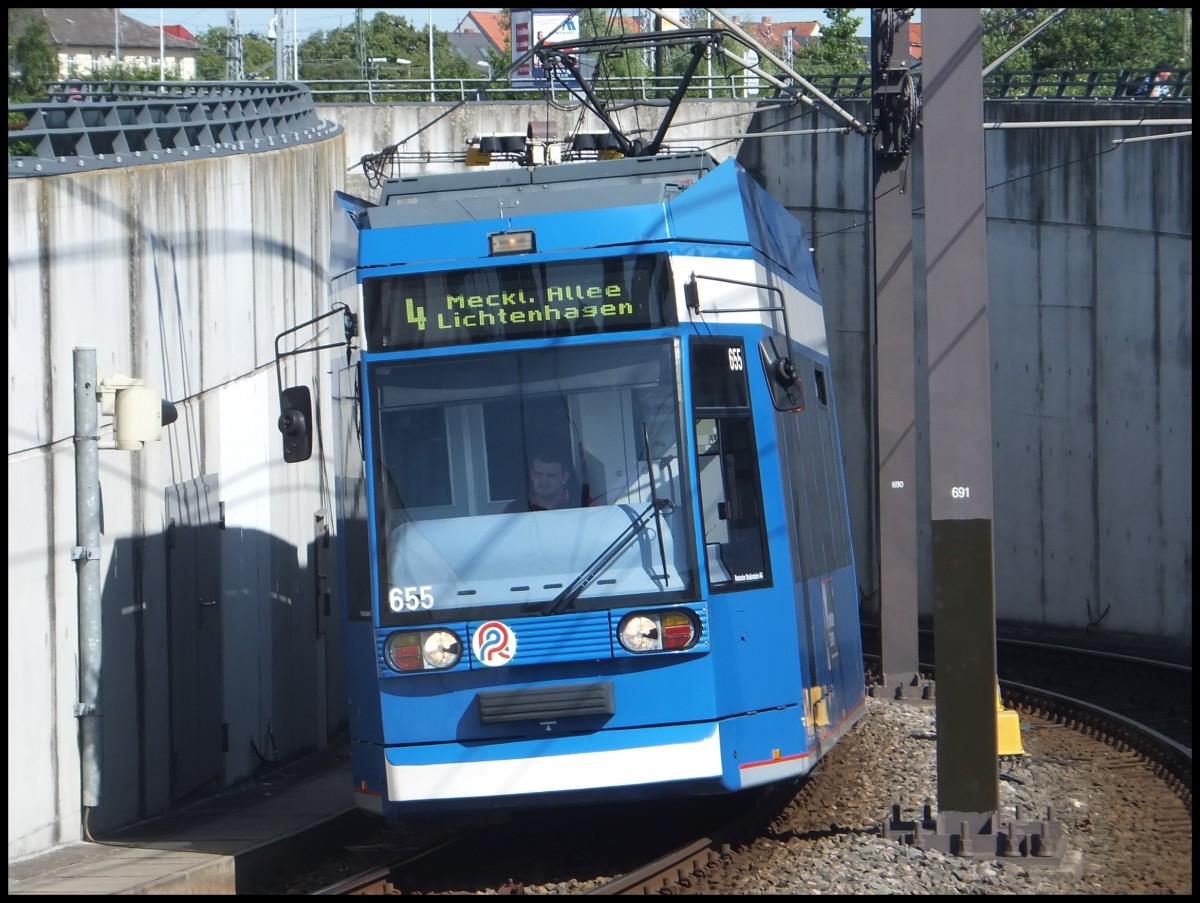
pixel 494 643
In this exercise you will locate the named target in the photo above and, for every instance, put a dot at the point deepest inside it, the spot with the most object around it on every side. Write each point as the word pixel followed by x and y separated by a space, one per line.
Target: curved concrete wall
pixel 1090 323
pixel 422 132
pixel 183 274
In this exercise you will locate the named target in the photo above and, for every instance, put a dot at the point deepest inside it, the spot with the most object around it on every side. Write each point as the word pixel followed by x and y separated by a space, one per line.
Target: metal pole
pixel 87 555
pixel 709 56
pixel 432 88
pixel 894 334
pixel 162 48
pixel 279 28
pixel 960 417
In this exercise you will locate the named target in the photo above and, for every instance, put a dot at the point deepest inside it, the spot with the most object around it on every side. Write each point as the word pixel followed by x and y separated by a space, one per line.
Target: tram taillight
pixel 678 630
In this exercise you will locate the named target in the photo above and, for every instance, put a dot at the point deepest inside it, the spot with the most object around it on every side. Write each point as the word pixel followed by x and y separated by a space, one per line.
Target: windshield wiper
pixel 572 590
pixel 662 549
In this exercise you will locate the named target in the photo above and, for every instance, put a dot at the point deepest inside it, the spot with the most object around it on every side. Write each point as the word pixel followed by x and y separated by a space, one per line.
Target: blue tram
pixel 678 613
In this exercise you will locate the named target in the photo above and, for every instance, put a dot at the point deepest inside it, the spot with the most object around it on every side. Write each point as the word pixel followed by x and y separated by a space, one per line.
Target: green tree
pixel 331 55
pixel 258 55
pixel 1088 38
pixel 32 60
pixel 677 59
pixel 334 54
pixel 641 62
pixel 838 48
pixel 125 72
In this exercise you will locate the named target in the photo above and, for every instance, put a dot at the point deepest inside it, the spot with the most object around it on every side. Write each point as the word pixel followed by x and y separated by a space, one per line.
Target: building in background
pixel 488 30
pixel 483 32
pixel 781 38
pixel 96 40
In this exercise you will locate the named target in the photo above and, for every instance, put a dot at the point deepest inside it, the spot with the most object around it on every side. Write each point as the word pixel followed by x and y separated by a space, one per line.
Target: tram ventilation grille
pixel 545 703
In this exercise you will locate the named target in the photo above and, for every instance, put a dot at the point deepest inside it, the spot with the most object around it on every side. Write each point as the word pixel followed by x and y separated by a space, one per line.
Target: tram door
pixel 194 634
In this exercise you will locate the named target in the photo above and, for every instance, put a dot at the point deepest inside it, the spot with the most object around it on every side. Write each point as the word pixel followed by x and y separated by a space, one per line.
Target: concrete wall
pixel 1090 282
pixel 1090 323
pixel 184 273
pixel 181 274
pixel 420 132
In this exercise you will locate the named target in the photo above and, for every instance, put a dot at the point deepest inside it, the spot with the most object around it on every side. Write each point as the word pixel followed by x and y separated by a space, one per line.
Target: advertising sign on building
pixel 531 27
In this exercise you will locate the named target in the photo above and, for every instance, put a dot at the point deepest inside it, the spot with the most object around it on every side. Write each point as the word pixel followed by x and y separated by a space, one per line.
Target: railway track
pixel 381 879
pixel 545 848
pixel 688 869
pixel 1142 690
pixel 1155 695
pixel 700 861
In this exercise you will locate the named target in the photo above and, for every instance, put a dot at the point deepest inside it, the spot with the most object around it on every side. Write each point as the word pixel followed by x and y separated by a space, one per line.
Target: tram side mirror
pixel 295 422
pixel 786 373
pixel 783 376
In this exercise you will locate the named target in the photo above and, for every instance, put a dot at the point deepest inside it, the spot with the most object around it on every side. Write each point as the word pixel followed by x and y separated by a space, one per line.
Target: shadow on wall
pixel 221 659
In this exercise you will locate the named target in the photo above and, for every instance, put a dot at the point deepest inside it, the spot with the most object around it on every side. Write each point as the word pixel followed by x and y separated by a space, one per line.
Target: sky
pixel 256 19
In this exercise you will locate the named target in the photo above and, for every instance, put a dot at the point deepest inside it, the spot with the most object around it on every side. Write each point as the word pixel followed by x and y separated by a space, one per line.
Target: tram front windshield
pixel 530 482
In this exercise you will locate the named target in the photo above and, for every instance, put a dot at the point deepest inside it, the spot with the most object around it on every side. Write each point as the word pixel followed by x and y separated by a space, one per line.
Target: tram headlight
pixel 655 631
pixel 423 650
pixel 441 649
pixel 521 242
pixel 640 634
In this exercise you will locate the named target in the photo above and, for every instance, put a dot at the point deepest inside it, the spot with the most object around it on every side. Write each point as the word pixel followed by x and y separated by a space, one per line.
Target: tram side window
pixel 815 493
pixel 351 490
pixel 730 500
pixel 727 465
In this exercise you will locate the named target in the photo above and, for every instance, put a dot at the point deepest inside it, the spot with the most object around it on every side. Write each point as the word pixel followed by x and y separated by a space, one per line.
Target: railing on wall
pixel 97 125
pixel 1066 84
pixel 416 90
pixel 1081 84
pixel 83 125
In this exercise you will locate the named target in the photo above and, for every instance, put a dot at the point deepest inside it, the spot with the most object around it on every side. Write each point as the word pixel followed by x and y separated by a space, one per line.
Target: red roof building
pixel 489 24
pixel 493 26
pixel 89 40
pixel 780 37
pixel 777 37
pixel 180 32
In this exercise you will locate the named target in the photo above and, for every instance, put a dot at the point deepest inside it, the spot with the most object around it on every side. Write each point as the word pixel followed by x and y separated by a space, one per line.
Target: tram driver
pixel 549 485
